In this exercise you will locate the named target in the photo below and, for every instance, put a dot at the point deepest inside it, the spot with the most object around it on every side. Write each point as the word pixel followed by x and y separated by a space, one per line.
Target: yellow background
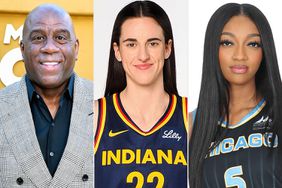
pixel 14 12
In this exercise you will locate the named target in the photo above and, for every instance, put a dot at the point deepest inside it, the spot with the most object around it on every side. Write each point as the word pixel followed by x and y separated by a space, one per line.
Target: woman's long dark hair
pixel 214 95
pixel 116 80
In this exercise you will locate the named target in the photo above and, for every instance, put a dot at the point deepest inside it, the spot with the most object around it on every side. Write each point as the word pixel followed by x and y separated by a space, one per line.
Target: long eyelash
pixel 255 42
pixel 225 41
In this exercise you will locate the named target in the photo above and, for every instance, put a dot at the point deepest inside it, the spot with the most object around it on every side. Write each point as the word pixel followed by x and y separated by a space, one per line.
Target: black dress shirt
pixel 52 134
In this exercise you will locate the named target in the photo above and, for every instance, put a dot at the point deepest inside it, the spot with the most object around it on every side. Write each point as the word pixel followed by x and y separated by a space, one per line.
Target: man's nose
pixel 50 46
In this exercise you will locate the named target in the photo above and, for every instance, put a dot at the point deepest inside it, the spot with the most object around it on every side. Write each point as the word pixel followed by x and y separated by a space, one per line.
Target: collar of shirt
pixel 31 90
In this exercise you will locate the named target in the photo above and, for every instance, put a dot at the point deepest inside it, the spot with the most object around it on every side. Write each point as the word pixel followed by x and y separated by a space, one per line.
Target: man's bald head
pixel 45 11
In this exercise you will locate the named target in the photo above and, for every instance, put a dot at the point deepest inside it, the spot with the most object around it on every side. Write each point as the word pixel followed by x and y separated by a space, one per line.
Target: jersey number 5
pixel 232 179
pixel 150 179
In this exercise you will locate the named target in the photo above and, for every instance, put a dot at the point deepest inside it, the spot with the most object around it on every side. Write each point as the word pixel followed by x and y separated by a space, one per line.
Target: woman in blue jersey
pixel 236 126
pixel 141 136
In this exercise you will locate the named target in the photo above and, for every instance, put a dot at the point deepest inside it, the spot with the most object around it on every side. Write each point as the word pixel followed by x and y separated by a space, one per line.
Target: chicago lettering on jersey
pixel 254 140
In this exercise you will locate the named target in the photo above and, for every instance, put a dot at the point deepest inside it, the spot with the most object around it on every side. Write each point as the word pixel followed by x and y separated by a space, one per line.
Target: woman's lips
pixel 239 69
pixel 143 66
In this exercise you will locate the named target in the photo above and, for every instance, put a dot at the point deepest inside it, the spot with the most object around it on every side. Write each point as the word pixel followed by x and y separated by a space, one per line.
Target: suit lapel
pixel 79 145
pixel 20 132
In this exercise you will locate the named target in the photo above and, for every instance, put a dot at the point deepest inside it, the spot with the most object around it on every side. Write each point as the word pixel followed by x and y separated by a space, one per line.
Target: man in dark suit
pixel 46 118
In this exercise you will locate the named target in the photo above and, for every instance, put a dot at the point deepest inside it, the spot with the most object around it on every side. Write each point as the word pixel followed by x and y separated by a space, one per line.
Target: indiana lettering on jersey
pixel 254 140
pixel 128 156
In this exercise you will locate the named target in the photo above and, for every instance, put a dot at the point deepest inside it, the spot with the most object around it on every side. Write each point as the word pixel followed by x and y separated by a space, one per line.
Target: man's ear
pixel 76 48
pixel 21 45
pixel 22 48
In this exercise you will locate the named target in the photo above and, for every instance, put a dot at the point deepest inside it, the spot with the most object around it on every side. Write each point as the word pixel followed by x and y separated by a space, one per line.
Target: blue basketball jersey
pixel 126 156
pixel 245 158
